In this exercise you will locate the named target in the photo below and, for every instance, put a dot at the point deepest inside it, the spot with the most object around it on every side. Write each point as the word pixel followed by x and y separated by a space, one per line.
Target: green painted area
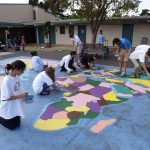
pixel 73 122
pixel 148 92
pixel 99 67
pixel 122 89
pixel 118 102
pixel 62 104
pixel 92 82
pixel 90 114
pixel 141 85
pixel 87 73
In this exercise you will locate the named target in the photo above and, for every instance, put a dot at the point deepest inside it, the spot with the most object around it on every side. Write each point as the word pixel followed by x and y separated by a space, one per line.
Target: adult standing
pixel 77 45
pixel 101 39
pixel 22 39
pixel 8 39
pixel 123 51
pixel 138 59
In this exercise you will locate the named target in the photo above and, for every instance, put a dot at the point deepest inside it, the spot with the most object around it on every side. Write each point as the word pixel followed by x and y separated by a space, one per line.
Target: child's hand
pixel 24 95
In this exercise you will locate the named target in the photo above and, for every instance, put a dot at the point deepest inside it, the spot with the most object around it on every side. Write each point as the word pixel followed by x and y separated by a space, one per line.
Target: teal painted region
pixel 62 104
pixel 87 73
pixel 141 85
pixel 73 122
pixel 92 82
pixel 90 114
pixel 122 89
pixel 99 67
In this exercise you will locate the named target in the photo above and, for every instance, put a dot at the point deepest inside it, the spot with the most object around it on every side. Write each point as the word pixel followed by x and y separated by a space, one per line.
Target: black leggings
pixel 70 65
pixel 10 123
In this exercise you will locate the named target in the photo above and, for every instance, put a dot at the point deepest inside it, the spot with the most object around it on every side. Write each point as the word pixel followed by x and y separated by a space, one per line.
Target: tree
pixel 145 12
pixel 33 2
pixel 96 11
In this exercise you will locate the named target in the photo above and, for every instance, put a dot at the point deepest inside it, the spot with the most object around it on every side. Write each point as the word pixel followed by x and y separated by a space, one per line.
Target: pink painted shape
pixel 136 87
pixel 65 82
pixel 61 115
pixel 81 99
pixel 78 79
pixel 86 87
pixel 124 95
pixel 104 84
pixel 101 125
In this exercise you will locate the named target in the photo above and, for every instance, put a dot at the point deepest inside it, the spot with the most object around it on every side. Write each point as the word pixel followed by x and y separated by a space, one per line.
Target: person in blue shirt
pixel 101 39
pixel 123 51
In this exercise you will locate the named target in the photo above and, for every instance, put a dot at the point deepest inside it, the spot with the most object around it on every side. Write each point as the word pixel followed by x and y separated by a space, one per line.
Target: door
pixel 41 35
pixel 82 33
pixel 127 31
pixel 52 35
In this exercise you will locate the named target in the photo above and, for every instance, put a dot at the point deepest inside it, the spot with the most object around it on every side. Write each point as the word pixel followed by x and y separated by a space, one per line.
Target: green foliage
pixel 33 2
pixel 145 12
pixel 47 28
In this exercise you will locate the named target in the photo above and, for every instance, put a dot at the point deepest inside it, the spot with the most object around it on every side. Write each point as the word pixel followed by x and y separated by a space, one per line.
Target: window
pixel 62 29
pixel 34 15
pixel 71 29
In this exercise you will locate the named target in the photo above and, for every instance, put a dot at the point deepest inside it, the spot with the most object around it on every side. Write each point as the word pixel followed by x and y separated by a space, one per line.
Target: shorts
pixel 123 56
pixel 79 49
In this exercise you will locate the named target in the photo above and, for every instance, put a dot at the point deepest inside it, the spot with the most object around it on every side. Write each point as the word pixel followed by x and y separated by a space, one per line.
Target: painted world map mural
pixel 86 94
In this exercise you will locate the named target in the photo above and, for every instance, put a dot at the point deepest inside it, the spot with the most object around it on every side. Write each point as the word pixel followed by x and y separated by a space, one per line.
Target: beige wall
pixel 16 13
pixel 140 31
pixel 23 13
pixel 110 31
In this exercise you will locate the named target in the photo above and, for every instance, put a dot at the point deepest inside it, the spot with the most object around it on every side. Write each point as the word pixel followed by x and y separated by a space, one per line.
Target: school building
pixel 30 20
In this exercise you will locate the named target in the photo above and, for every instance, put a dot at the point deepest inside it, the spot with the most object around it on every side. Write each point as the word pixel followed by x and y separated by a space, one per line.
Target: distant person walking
pixel 22 40
pixel 8 39
pixel 101 40
pixel 77 45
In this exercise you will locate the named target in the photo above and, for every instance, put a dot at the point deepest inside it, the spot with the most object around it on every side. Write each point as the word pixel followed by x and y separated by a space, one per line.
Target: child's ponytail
pixel 8 68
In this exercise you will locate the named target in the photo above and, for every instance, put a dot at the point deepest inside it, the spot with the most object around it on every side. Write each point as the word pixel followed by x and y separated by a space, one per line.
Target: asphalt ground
pixel 57 54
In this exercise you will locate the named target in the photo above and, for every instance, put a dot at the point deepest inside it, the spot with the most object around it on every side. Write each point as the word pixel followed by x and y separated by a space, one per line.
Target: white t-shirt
pixel 39 80
pixel 139 52
pixel 11 108
pixel 65 60
pixel 37 63
pixel 76 40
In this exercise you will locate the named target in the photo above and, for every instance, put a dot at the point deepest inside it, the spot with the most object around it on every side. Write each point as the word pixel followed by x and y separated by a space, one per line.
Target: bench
pixel 95 48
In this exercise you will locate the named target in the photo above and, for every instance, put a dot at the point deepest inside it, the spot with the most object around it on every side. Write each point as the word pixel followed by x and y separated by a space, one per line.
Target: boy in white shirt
pixel 67 62
pixel 138 59
pixel 44 81
pixel 77 45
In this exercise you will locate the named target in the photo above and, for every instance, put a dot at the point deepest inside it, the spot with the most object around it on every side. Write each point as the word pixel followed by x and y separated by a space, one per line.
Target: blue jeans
pixel 45 89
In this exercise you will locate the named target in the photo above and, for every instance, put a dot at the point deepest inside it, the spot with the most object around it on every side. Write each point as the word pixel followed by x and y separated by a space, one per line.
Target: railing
pixel 96 48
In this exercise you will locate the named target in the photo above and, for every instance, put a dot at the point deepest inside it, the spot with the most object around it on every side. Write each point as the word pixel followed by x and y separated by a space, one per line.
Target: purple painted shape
pixel 73 91
pixel 99 91
pixel 93 106
pixel 50 110
pixel 79 84
pixel 61 79
pixel 137 94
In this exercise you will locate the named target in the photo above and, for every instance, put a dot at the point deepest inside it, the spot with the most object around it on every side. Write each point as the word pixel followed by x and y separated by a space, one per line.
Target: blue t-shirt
pixel 124 44
pixel 101 39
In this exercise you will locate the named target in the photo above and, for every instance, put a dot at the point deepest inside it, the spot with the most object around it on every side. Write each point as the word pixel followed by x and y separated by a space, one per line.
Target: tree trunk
pixel 93 38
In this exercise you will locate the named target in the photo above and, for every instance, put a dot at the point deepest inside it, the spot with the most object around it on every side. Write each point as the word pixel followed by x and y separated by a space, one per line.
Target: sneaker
pixel 122 74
